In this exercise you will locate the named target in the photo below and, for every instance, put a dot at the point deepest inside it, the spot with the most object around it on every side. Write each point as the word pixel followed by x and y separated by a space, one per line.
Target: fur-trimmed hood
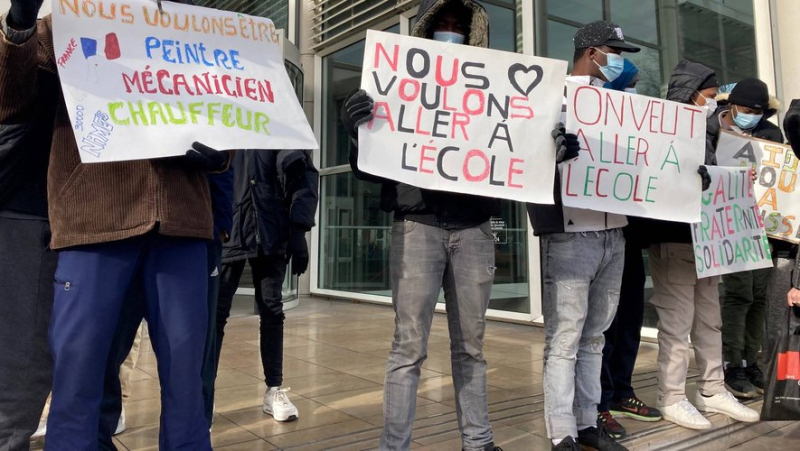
pixel 478 28
pixel 772 107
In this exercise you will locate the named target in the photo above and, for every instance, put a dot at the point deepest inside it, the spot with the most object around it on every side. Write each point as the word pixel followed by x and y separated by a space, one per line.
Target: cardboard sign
pixel 140 84
pixel 730 236
pixel 458 118
pixel 775 187
pixel 639 155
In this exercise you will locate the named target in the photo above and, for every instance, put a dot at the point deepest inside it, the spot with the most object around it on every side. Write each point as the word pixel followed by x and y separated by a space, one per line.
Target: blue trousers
pixel 91 285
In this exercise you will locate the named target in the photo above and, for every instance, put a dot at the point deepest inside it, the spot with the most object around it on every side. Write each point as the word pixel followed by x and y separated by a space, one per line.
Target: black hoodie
pixel 444 209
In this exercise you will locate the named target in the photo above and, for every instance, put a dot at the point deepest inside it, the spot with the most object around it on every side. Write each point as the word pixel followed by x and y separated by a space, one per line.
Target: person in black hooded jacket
pixel 275 201
pixel 688 306
pixel 791 126
pixel 439 240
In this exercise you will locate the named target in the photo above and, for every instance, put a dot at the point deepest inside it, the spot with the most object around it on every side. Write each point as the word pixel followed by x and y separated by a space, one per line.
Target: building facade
pixel 350 246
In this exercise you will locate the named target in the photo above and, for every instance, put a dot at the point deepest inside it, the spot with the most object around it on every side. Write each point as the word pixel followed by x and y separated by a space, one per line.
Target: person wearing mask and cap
pixel 439 240
pixel 744 294
pixel 623 336
pixel 688 306
pixel 582 259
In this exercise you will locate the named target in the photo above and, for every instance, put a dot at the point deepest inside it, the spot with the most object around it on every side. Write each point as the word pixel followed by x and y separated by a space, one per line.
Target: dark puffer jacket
pixel 436 208
pixel 275 194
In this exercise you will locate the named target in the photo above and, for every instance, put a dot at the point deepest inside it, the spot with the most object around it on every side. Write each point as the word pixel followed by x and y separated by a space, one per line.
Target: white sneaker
pixel 277 404
pixel 41 431
pixel 121 423
pixel 683 413
pixel 726 404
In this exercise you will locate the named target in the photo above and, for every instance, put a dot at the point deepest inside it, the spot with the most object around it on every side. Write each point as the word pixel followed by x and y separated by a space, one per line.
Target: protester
pixel 439 240
pixel 276 195
pixel 622 337
pixel 791 126
pixel 112 224
pixel 685 304
pixel 582 260
pixel 27 265
pixel 744 294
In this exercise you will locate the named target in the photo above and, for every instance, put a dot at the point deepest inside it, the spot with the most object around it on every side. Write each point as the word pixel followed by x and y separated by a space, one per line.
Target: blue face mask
pixel 448 36
pixel 615 64
pixel 746 121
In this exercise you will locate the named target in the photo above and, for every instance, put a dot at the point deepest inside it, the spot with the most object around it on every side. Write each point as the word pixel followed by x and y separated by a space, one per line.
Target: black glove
pixel 205 158
pixel 357 109
pixel 298 251
pixel 703 171
pixel 22 14
pixel 567 144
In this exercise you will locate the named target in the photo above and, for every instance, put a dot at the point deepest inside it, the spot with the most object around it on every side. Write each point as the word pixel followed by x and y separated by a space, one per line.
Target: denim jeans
pixel 582 277
pixel 423 260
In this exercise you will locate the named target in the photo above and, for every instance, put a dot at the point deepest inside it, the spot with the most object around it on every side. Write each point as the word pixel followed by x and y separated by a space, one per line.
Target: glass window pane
pixel 637 18
pixel 581 11
pixel 354 236
pixel 559 41
pixel 648 61
pixel 502 27
pixel 720 36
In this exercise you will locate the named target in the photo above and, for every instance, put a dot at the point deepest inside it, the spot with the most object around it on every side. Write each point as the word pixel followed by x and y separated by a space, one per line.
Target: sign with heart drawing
pixel 457 118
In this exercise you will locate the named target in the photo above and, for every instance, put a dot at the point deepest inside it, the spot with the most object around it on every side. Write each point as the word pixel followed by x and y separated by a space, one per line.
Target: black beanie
pixel 750 93
pixel 709 82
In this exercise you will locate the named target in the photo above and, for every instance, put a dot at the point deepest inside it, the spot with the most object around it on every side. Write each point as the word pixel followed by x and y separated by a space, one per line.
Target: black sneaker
pixel 568 444
pixel 606 421
pixel 634 408
pixel 756 377
pixel 598 439
pixel 737 382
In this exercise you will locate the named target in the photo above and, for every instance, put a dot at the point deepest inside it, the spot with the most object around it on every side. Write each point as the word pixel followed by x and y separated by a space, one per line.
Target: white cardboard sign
pixel 639 155
pixel 730 236
pixel 458 118
pixel 141 84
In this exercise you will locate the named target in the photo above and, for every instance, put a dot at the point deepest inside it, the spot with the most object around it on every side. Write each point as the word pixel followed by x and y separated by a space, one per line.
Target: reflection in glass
pixel 637 18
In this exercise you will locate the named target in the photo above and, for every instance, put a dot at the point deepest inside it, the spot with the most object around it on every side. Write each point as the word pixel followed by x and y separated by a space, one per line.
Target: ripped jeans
pixel 582 273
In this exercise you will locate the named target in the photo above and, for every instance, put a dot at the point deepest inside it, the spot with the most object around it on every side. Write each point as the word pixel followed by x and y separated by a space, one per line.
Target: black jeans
pixel 268 274
pixel 26 301
pixel 622 338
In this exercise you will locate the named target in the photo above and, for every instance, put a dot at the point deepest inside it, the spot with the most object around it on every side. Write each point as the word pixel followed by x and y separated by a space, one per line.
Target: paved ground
pixel 335 357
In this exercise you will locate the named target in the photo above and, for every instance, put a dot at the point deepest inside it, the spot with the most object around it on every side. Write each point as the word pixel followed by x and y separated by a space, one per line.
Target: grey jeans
pixel 582 277
pixel 423 260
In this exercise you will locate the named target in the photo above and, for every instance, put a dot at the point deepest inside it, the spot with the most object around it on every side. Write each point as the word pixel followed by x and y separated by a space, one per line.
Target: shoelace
pixel 636 402
pixel 280 396
pixel 688 407
pixel 605 417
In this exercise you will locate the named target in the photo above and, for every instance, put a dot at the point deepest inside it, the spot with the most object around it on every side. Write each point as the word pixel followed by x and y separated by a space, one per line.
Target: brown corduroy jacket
pixel 98 202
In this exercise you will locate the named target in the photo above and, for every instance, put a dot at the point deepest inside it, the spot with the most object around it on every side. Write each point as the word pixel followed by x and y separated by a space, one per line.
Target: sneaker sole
pixel 278 418
pixel 635 416
pixel 698 427
pixel 740 394
pixel 729 415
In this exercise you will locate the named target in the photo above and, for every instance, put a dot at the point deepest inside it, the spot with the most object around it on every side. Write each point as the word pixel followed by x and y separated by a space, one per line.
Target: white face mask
pixel 710 106
pixel 631 90
pixel 448 36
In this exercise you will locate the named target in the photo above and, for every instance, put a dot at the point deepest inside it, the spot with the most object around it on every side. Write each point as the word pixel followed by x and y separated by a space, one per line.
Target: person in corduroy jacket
pixel 113 224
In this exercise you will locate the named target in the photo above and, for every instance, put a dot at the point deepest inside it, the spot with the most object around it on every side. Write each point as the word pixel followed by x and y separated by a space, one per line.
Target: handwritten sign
pixel 639 155
pixel 458 118
pixel 776 185
pixel 730 236
pixel 140 84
